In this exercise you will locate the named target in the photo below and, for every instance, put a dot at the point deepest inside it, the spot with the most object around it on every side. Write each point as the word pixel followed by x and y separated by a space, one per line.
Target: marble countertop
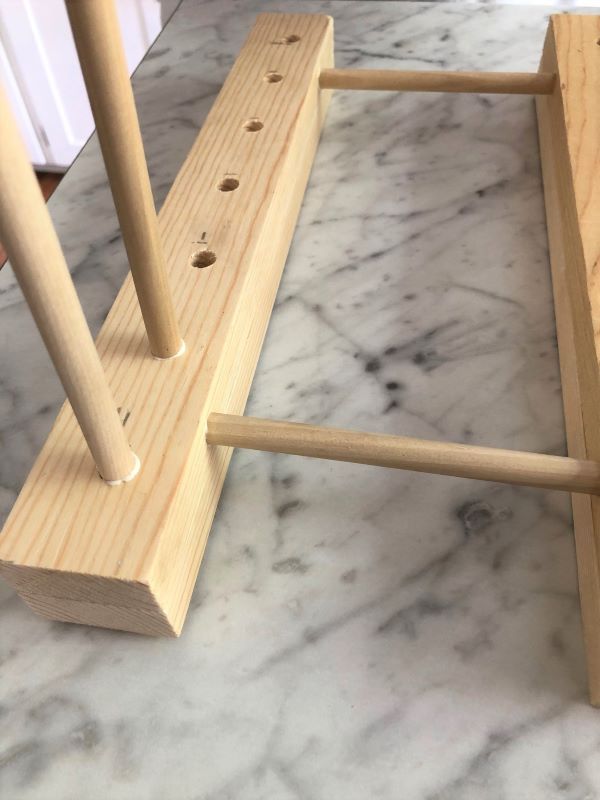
pixel 355 632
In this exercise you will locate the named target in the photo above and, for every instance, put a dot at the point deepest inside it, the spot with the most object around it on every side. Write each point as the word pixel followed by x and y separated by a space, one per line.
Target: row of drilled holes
pixel 206 258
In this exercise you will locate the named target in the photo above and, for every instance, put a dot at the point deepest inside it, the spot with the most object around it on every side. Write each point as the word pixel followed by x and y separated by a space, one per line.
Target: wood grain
pixel 128 557
pixel 392 80
pixel 97 37
pixel 569 132
pixel 41 270
pixel 404 452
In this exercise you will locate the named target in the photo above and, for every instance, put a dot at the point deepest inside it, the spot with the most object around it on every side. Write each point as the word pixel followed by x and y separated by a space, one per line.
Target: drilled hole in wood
pixel 291 39
pixel 273 77
pixel 228 184
pixel 253 125
pixel 203 258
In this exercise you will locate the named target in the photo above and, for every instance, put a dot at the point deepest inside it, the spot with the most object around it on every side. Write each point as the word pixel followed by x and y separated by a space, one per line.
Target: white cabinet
pixel 40 72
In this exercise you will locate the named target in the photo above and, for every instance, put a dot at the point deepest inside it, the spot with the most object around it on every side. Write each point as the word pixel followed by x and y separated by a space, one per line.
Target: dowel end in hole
pixel 130 476
pixel 180 352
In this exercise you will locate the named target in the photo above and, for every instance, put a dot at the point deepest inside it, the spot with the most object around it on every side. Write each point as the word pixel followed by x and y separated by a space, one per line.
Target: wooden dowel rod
pixel 98 40
pixel 402 452
pixel 437 81
pixel 27 233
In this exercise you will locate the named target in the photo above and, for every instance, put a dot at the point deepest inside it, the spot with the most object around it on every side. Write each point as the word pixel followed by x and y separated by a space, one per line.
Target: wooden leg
pixel 98 40
pixel 34 251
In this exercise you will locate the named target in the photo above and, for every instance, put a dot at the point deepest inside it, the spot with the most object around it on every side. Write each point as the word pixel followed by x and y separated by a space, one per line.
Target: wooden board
pixel 127 557
pixel 569 131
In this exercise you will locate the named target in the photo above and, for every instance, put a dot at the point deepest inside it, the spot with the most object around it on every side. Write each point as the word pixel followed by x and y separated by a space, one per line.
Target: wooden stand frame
pixel 126 557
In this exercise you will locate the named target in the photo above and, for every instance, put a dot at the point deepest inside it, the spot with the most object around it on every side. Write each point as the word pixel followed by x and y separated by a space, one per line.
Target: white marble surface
pixel 355 633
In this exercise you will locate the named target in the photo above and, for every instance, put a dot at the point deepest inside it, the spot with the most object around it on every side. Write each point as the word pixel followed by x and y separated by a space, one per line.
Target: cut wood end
pixel 91 600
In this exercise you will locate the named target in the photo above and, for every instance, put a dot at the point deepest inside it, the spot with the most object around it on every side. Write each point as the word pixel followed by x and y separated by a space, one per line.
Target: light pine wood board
pixel 127 557
pixel 569 132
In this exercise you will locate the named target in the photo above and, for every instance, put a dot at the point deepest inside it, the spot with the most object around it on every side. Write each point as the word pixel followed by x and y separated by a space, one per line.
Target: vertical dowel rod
pixel 27 233
pixel 97 37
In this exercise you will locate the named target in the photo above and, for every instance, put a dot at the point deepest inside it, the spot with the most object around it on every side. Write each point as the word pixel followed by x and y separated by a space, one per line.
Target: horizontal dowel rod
pixel 393 80
pixel 402 452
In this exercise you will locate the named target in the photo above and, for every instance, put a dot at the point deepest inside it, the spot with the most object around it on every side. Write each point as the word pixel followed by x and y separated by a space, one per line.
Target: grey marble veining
pixel 354 633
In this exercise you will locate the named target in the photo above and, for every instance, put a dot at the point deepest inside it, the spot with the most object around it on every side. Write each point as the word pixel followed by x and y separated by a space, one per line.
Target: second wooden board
pixel 569 130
